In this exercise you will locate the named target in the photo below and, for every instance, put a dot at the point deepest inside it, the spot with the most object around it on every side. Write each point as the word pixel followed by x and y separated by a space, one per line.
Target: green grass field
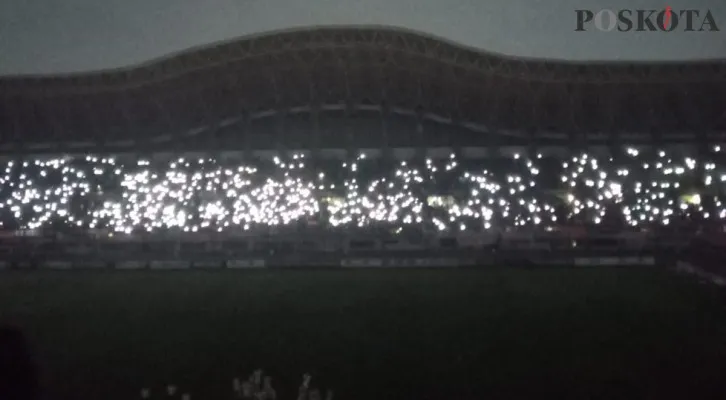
pixel 608 333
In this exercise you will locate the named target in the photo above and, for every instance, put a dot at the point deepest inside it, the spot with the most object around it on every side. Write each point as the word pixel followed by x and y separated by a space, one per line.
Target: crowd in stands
pixel 636 188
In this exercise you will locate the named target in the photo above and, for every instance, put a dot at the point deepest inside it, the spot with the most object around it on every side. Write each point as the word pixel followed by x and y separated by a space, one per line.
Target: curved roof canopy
pixel 50 37
pixel 297 87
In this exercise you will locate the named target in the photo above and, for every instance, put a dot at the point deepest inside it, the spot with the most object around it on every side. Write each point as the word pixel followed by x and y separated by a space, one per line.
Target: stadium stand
pixel 352 88
pixel 379 129
pixel 207 194
pixel 210 212
pixel 362 147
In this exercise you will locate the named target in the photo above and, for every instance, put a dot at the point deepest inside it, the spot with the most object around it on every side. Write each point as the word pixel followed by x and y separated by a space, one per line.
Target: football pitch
pixel 496 333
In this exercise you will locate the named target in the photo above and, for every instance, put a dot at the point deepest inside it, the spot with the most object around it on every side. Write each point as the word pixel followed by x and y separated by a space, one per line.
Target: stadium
pixel 392 212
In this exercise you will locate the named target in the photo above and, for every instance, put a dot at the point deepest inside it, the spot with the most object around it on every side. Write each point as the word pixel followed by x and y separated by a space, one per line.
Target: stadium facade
pixel 338 93
pixel 340 88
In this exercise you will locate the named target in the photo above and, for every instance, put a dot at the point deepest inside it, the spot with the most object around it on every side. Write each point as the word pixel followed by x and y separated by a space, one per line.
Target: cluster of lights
pixel 209 194
pixel 645 190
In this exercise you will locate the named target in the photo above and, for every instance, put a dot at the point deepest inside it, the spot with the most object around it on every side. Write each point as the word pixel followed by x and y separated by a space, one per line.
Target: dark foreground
pixel 375 334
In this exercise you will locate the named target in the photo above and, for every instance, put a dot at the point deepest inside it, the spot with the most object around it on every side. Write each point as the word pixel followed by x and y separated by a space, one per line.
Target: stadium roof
pixel 50 37
pixel 360 86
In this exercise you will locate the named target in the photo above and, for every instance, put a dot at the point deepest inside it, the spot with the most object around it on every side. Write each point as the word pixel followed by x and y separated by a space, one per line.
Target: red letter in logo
pixel 667 19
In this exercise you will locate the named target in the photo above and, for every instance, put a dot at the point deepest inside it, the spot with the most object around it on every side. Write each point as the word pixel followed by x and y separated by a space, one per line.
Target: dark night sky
pixel 59 36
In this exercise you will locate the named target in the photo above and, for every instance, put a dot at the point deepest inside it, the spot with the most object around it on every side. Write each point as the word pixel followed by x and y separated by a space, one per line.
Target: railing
pixel 323 250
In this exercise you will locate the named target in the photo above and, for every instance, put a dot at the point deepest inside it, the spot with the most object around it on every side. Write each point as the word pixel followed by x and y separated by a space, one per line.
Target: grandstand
pixel 367 147
pixel 291 116
pixel 346 88
pixel 206 212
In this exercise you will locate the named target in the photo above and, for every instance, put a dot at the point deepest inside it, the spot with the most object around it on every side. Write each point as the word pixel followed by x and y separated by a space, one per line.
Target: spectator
pixel 18 375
